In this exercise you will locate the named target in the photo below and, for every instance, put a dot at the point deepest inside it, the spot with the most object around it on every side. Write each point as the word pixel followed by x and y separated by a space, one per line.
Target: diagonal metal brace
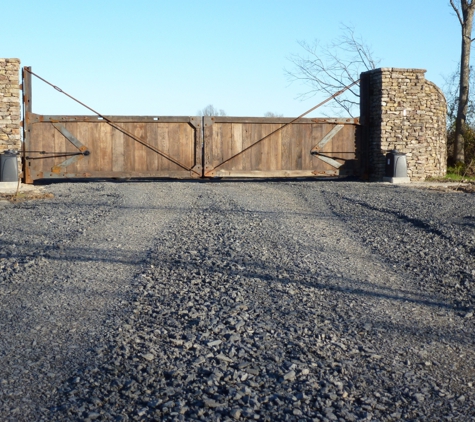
pixel 83 150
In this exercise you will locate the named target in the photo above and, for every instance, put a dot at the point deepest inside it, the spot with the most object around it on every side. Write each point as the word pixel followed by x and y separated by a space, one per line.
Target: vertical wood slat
pixel 236 145
pixel 106 155
pixel 173 143
pixel 151 157
pixel 129 148
pixel 286 157
pixel 118 151
pixel 247 141
pixel 162 144
pixel 276 150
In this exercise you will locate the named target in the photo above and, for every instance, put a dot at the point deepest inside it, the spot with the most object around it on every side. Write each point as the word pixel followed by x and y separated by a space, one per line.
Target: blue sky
pixel 169 58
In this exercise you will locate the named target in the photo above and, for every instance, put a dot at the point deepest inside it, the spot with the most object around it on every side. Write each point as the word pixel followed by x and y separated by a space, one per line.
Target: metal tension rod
pixel 336 94
pixel 115 126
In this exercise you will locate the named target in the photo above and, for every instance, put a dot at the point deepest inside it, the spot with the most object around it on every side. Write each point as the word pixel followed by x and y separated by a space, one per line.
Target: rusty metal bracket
pixel 196 172
pixel 195 122
pixel 208 121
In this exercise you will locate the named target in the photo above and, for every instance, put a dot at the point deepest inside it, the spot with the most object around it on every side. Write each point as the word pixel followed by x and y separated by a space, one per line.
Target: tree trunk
pixel 466 21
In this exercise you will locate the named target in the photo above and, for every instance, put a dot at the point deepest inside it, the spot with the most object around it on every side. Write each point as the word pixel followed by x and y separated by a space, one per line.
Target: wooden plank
pixel 246 142
pixel 184 145
pixel 306 145
pixel 115 119
pixel 118 150
pixel 48 142
pixel 140 150
pixel 216 145
pixel 236 145
pixel 105 143
pixel 129 149
pixel 207 140
pixel 264 157
pixel 254 154
pixel 283 120
pixel 93 137
pixel 286 151
pixel 189 145
pixel 272 173
pixel 275 161
pixel 226 143
pixel 163 145
pixel 297 146
pixel 174 144
pixel 151 131
pixel 183 174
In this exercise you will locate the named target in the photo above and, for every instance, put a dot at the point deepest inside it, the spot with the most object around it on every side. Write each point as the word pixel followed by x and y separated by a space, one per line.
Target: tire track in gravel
pixel 260 304
pixel 71 282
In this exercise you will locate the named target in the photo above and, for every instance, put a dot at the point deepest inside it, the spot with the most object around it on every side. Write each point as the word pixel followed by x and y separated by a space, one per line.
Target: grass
pixel 461 173
pixel 455 176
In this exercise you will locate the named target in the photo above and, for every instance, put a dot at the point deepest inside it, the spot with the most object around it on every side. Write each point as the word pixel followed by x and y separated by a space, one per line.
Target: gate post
pixel 10 124
pixel 402 110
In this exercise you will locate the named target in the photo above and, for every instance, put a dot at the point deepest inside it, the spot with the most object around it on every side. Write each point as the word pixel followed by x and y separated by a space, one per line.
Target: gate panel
pixel 248 147
pixel 125 147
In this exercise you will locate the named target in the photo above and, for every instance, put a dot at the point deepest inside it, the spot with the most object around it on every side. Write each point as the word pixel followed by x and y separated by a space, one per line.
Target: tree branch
pixel 327 69
pixel 457 12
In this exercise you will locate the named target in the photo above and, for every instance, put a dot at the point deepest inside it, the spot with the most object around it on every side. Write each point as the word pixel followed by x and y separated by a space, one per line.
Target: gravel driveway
pixel 307 300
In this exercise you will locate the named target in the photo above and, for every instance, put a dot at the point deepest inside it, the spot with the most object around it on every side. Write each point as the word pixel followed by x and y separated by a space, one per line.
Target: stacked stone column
pixel 10 105
pixel 402 110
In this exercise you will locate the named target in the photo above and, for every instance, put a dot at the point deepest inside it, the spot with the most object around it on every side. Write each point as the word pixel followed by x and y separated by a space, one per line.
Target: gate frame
pixel 30 118
pixel 201 167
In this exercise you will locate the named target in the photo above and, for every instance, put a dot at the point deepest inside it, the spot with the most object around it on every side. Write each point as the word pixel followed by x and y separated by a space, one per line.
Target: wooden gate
pixel 83 146
pixel 108 146
pixel 185 147
pixel 264 147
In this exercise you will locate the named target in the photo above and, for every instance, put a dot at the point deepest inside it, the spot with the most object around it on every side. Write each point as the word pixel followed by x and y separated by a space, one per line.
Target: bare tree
pixel 271 114
pixel 209 110
pixel 451 91
pixel 329 68
pixel 464 11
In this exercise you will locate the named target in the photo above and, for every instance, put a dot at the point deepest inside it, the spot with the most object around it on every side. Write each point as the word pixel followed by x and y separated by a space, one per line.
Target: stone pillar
pixel 401 110
pixel 10 104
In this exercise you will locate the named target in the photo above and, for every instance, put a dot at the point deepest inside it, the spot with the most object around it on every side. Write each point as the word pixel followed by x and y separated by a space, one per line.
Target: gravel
pixel 296 300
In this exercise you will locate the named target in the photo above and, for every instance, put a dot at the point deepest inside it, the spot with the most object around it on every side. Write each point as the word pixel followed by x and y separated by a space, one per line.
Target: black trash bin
pixel 396 164
pixel 8 166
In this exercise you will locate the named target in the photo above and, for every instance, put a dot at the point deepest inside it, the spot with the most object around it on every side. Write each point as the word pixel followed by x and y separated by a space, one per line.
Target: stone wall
pixel 10 105
pixel 401 110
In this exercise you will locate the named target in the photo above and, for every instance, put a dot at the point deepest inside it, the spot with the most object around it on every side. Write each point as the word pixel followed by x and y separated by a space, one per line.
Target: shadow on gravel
pixel 414 221
pixel 401 297
pixel 354 289
pixel 70 254
pixel 43 182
